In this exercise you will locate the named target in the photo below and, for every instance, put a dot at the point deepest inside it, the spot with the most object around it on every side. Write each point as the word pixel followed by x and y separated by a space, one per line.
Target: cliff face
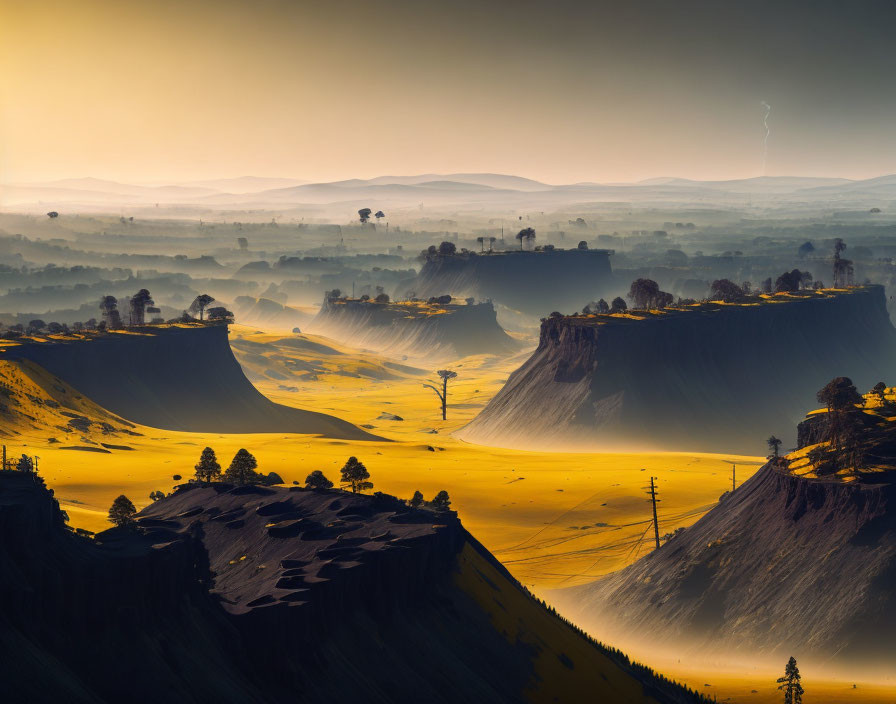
pixel 715 378
pixel 414 330
pixel 174 378
pixel 277 595
pixel 784 565
pixel 534 283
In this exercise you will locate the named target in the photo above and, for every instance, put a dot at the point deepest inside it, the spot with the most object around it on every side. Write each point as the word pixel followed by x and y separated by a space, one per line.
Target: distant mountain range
pixel 458 189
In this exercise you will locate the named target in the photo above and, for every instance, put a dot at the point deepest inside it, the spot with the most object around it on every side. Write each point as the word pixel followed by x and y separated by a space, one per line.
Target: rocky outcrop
pixel 534 283
pixel 239 594
pixel 414 329
pixel 712 377
pixel 177 378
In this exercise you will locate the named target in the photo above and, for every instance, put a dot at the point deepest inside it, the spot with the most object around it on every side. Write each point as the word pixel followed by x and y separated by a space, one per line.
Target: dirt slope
pixel 177 378
pixel 273 595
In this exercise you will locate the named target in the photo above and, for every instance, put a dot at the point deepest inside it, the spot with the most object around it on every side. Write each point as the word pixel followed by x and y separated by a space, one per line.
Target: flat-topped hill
pixel 799 560
pixel 710 377
pixel 414 328
pixel 534 283
pixel 270 595
pixel 179 377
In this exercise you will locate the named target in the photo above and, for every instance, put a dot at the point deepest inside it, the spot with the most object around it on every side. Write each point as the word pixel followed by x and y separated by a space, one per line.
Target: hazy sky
pixel 558 90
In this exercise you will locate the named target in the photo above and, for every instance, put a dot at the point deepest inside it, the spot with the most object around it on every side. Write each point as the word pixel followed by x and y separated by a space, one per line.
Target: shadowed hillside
pixel 178 378
pixel 711 377
pixel 534 283
pixel 800 559
pixel 239 594
pixel 414 329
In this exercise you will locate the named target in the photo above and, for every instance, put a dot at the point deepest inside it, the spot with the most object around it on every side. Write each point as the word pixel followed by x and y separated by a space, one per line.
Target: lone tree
pixel 790 683
pixel 646 294
pixel 138 303
pixel 843 269
pixel 789 281
pixel 25 464
pixel 208 469
pixel 355 474
pixel 317 480
pixel 880 390
pixel 445 375
pixel 441 502
pixel 583 245
pixel 242 469
pixel 200 303
pixel 122 512
pixel 109 309
pixel 774 444
pixel 840 397
pixel 416 500
pixel 364 215
pixel 527 234
pixel 220 314
pixel 618 305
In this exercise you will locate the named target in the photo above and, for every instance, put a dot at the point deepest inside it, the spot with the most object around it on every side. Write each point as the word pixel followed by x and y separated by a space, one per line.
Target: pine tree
pixel 208 469
pixel 122 512
pixel 790 683
pixel 417 500
pixel 242 469
pixel 441 502
pixel 356 475
pixel 774 444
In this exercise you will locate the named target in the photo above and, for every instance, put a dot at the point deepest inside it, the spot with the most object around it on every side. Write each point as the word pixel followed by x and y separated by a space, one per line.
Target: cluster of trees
pixel 241 470
pixel 25 463
pixel 601 307
pixel 646 295
pixel 364 215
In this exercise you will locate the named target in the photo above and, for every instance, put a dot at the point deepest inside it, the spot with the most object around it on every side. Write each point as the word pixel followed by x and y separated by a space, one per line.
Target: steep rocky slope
pixel 534 283
pixel 281 595
pixel 178 378
pixel 711 377
pixel 414 329
pixel 797 561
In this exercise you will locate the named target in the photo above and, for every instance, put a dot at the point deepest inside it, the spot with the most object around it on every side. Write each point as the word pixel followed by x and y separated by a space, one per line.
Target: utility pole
pixel 653 500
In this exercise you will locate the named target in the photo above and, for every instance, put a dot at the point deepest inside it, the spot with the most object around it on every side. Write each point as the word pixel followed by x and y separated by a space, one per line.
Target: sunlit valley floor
pixel 554 519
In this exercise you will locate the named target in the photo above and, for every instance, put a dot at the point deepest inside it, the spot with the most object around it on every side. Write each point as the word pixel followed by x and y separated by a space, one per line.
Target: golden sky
pixel 564 92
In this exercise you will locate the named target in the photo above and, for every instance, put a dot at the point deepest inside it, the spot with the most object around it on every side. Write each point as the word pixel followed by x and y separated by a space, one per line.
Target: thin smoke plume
pixel 767 110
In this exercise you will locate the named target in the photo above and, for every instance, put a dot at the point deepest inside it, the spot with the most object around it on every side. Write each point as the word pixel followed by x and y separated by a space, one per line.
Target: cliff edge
pixel 712 377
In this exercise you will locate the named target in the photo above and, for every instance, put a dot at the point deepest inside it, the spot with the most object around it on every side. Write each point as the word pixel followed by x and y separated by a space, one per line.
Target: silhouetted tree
pixel 774 444
pixel 138 304
pixel 242 469
pixel 55 328
pixel 208 469
pixel 767 285
pixel 527 234
pixel 843 269
pixel 242 242
pixel 445 375
pixel 790 683
pixel 379 215
pixel 583 245
pixel 200 303
pixel 364 215
pixel 618 305
pixel 805 249
pixel 840 397
pixel 416 500
pixel 441 502
pixel 481 241
pixel 725 290
pixel 156 495
pixel 317 480
pixel 644 293
pixel 52 214
pixel 789 281
pixel 880 390
pixel 446 249
pixel 355 474
pixel 122 512
pixel 111 316
pixel 36 325
pixel 25 464
pixel 220 314
pixel 382 298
